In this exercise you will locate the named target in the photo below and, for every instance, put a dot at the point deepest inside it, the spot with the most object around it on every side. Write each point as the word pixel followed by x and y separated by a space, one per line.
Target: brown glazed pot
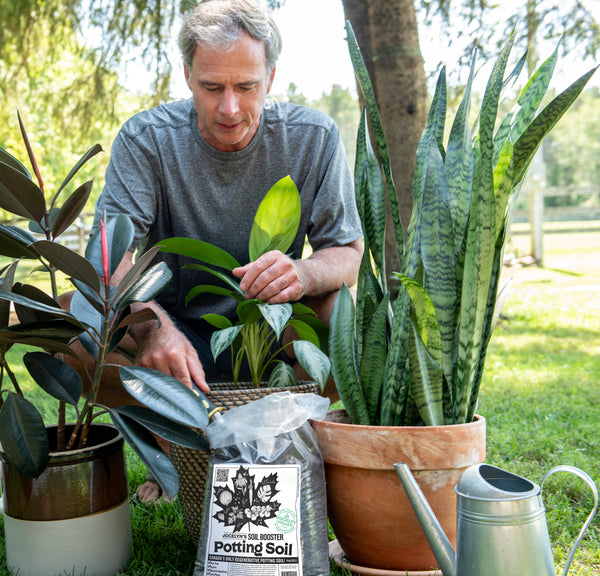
pixel 75 515
pixel 369 512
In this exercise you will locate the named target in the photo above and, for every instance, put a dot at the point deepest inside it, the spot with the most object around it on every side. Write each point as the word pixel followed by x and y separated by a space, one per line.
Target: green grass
pixel 540 397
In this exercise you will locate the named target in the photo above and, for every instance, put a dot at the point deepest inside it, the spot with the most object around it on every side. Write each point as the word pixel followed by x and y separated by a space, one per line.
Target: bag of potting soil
pixel 265 511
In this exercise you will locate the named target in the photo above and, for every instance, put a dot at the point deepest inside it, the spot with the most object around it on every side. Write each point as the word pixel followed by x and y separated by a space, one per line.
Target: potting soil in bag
pixel 265 510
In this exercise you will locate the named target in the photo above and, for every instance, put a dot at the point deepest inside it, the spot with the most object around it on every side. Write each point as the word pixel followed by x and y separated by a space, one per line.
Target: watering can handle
pixel 586 478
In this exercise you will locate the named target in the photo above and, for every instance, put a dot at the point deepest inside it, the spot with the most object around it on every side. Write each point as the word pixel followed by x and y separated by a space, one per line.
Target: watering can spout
pixel 438 541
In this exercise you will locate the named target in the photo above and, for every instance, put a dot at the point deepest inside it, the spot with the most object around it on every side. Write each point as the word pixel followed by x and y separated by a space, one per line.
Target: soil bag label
pixel 254 521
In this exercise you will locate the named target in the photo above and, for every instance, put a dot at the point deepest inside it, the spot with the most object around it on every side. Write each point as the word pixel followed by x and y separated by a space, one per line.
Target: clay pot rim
pixel 328 422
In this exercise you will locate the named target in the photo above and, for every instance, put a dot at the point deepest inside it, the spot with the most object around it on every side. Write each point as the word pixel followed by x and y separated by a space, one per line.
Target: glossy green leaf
pixel 19 195
pixel 276 220
pixel 23 436
pixel 26 314
pixel 222 339
pixel 6 284
pixel 276 315
pixel 95 149
pixel 165 428
pixel 140 317
pixel 147 287
pixel 55 377
pixel 68 262
pixel 52 310
pixel 282 375
pixel 304 330
pixel 165 395
pixel 218 321
pixel 10 160
pixel 140 264
pixel 199 250
pixel 57 329
pixel 314 362
pixel 14 242
pixel 71 209
pixel 342 356
pixel 234 284
pixel 149 452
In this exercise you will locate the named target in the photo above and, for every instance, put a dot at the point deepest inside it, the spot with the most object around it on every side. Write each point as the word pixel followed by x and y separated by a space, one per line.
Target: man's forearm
pixel 327 269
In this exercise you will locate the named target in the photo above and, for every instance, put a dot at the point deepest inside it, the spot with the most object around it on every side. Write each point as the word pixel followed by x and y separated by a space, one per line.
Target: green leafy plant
pixel 99 317
pixel 419 359
pixel 256 333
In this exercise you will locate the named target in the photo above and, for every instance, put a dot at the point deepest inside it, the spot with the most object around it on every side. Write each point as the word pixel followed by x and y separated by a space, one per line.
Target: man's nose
pixel 229 103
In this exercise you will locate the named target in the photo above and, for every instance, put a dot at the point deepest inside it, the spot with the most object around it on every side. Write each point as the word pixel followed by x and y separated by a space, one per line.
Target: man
pixel 200 168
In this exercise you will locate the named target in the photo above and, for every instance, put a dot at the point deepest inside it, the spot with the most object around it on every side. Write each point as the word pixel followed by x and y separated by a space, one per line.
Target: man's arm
pixel 163 347
pixel 277 278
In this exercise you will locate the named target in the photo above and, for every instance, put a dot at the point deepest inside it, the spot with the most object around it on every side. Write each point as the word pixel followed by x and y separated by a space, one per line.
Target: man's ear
pixel 271 79
pixel 187 76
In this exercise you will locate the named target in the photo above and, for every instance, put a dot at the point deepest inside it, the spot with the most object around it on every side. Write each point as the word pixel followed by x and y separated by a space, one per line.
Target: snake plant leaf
pixel 68 262
pixel 362 75
pixel 71 209
pixel 10 160
pixel 276 220
pixel 149 452
pixel 146 287
pixel 218 321
pixel 532 95
pixel 23 436
pixel 315 363
pixel 529 141
pixel 374 356
pixel 165 428
pixel 304 330
pixel 233 284
pixel 95 149
pixel 282 375
pixel 342 356
pixel 459 166
pixel 165 395
pixel 55 377
pixel 19 195
pixel 276 315
pixel 370 193
pixel 199 250
pixel 120 234
pixel 427 382
pixel 222 339
pixel 14 242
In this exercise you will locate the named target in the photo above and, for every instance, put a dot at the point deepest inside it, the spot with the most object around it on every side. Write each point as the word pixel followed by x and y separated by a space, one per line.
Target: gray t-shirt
pixel 164 175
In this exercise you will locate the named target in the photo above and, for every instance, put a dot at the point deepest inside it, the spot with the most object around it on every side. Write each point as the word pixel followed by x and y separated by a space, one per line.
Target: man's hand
pixel 166 349
pixel 273 278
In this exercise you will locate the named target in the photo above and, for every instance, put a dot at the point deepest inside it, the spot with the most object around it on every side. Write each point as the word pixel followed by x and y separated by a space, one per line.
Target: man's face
pixel 229 89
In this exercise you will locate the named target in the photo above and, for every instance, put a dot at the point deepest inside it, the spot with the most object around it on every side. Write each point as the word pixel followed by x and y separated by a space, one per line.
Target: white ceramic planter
pixel 74 518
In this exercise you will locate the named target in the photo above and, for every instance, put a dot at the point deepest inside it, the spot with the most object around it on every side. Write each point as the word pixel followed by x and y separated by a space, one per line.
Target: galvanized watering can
pixel 501 523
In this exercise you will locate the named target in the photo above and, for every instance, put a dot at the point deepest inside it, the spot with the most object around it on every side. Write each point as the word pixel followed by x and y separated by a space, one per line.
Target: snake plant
pixel 418 359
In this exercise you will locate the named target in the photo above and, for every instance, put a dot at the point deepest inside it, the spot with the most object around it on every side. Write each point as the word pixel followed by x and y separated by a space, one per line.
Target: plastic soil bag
pixel 265 510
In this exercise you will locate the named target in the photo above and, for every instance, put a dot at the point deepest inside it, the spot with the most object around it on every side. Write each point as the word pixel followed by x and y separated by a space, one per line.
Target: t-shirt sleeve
pixel 334 217
pixel 131 184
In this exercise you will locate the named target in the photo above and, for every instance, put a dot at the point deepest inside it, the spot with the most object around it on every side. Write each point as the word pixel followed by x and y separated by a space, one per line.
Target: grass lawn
pixel 540 397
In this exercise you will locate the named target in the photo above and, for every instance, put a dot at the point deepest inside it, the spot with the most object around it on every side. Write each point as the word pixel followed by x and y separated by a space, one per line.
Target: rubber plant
pixel 419 358
pixel 256 333
pixel 99 317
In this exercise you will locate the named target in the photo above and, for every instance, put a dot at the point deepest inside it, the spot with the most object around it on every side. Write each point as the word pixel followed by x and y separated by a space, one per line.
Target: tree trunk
pixel 387 33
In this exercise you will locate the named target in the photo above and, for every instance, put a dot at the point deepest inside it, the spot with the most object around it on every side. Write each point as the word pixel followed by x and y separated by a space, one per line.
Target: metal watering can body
pixel 501 523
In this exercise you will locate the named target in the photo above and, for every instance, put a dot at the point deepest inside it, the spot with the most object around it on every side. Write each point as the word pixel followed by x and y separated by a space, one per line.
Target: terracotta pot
pixel 369 512
pixel 75 516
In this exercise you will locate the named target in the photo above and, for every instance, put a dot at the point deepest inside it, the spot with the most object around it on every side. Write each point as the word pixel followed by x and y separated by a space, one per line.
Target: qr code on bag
pixel 222 475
